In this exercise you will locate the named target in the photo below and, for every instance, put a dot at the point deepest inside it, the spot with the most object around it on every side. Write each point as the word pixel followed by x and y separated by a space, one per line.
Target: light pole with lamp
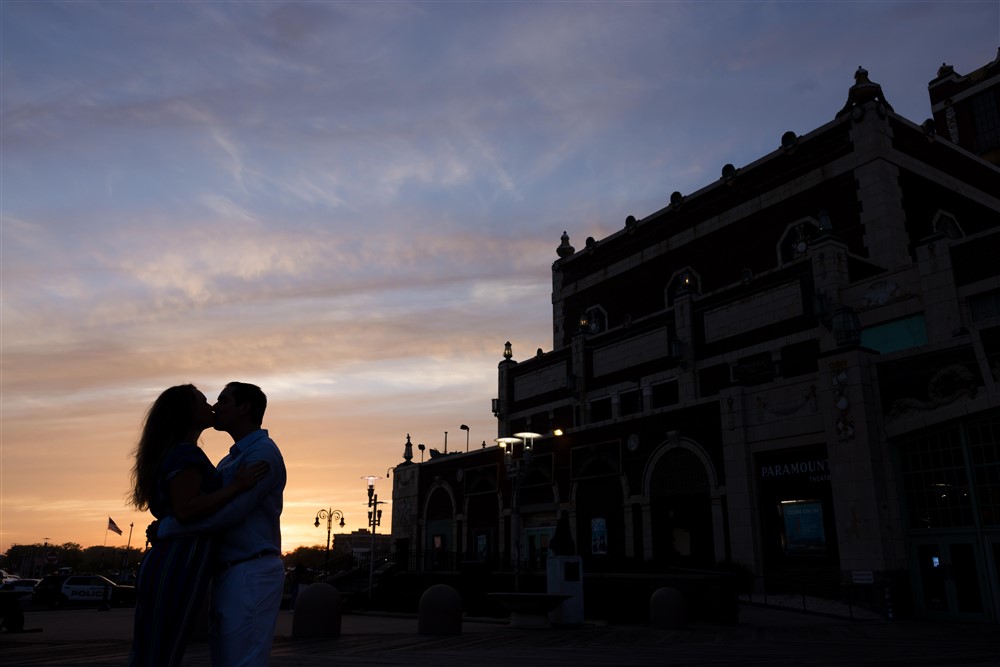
pixel 465 428
pixel 516 469
pixel 329 515
pixel 528 437
pixel 374 520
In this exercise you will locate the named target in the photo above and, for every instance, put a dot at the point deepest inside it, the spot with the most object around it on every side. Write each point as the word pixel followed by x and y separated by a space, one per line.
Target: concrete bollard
pixel 667 609
pixel 440 611
pixel 317 613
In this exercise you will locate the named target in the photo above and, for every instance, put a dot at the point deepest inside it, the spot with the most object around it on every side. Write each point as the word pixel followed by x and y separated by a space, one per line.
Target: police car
pixel 25 587
pixel 94 589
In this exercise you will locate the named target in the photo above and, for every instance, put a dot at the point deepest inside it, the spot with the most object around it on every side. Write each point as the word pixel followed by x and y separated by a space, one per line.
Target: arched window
pixel 594 320
pixel 945 223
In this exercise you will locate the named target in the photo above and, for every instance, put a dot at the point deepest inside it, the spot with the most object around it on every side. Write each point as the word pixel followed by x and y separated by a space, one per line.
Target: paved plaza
pixel 764 636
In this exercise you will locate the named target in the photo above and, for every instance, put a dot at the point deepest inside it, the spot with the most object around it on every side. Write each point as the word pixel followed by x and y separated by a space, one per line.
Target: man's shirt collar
pixel 243 443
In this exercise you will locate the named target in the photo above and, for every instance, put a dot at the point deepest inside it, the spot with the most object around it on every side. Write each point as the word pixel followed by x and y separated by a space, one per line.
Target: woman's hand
pixel 247 476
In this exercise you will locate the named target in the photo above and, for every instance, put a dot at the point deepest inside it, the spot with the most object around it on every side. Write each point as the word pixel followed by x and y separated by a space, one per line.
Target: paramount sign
pixel 818 470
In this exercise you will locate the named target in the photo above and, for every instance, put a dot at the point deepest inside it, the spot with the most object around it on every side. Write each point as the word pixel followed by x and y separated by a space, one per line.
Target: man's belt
pixel 233 563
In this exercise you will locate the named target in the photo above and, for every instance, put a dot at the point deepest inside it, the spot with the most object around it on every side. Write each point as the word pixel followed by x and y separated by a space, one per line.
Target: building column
pixel 628 534
pixel 865 497
pixel 744 540
pixel 647 529
pixel 878 189
pixel 718 527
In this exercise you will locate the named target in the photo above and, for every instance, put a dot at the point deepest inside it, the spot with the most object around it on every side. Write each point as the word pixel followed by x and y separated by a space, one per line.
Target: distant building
pixel 794 369
pixel 360 541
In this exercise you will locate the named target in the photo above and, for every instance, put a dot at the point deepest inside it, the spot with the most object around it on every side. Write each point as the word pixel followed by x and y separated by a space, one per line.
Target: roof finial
pixel 863 91
pixel 565 249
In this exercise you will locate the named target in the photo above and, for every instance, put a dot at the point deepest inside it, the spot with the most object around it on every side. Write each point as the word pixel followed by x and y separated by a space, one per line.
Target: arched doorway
pixel 600 518
pixel 482 518
pixel 439 524
pixel 681 510
pixel 537 513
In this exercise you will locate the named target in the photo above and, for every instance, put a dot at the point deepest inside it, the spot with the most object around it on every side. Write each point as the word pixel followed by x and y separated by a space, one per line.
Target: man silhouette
pixel 249 575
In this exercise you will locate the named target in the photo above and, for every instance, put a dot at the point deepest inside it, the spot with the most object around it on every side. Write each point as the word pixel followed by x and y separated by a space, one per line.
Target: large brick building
pixel 793 369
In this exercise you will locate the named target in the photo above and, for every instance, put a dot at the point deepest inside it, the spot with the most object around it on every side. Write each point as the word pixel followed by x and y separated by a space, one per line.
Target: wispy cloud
pixel 356 204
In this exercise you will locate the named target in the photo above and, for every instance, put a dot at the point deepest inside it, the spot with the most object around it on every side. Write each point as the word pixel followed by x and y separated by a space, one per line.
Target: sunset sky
pixel 354 205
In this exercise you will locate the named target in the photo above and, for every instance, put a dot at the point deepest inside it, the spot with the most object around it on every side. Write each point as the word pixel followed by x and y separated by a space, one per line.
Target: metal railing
pixel 818 596
pixel 432 560
pixel 349 573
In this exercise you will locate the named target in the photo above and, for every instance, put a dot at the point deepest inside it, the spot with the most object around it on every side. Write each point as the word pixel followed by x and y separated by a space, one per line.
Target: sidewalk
pixel 811 605
pixel 764 636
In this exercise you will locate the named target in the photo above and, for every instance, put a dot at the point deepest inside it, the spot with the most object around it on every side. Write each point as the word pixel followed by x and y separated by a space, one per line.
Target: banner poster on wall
pixel 598 536
pixel 803 526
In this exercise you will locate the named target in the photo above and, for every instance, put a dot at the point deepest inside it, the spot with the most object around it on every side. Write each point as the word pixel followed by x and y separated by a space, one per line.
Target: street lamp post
pixel 329 515
pixel 374 521
pixel 513 470
pixel 516 468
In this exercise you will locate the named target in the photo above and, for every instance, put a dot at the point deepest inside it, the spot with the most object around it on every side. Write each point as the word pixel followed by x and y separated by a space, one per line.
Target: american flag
pixel 114 526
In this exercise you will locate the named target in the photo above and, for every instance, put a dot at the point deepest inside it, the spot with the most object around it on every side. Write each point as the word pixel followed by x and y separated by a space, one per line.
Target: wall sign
pixel 598 536
pixel 818 470
pixel 803 526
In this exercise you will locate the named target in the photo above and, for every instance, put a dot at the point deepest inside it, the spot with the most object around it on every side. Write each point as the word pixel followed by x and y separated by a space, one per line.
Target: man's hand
pixel 248 476
pixel 151 531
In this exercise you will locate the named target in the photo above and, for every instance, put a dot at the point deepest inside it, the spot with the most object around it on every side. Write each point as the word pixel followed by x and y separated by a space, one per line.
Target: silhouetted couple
pixel 217 525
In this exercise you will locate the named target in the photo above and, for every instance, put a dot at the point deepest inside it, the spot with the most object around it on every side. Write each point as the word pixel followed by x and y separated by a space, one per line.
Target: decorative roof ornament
pixel 861 93
pixel 789 140
pixel 565 249
pixel 408 449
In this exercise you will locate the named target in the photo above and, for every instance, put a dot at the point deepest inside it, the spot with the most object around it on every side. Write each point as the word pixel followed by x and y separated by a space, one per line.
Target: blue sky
pixel 355 204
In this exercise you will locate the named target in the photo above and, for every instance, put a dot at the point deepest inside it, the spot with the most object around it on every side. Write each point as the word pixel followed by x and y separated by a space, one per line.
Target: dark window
pixel 563 417
pixel 935 481
pixel 600 409
pixel 984 442
pixel 991 344
pixel 540 422
pixel 630 402
pixel 986 117
pixel 481 480
pixel 597 320
pixel 975 260
pixel 665 393
pixel 799 359
pixel 713 378
pixel 985 306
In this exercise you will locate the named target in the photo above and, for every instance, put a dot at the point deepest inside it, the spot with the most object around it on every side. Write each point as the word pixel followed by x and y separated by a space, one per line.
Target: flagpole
pixel 121 575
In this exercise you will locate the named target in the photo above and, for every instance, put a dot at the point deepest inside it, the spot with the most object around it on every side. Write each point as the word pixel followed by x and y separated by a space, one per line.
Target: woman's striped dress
pixel 173 577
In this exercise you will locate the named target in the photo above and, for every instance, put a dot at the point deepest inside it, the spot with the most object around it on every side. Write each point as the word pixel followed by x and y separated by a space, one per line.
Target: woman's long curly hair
pixel 170 420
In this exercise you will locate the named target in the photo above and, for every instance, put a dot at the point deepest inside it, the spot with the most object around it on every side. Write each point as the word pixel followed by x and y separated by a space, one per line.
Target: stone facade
pixel 788 370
